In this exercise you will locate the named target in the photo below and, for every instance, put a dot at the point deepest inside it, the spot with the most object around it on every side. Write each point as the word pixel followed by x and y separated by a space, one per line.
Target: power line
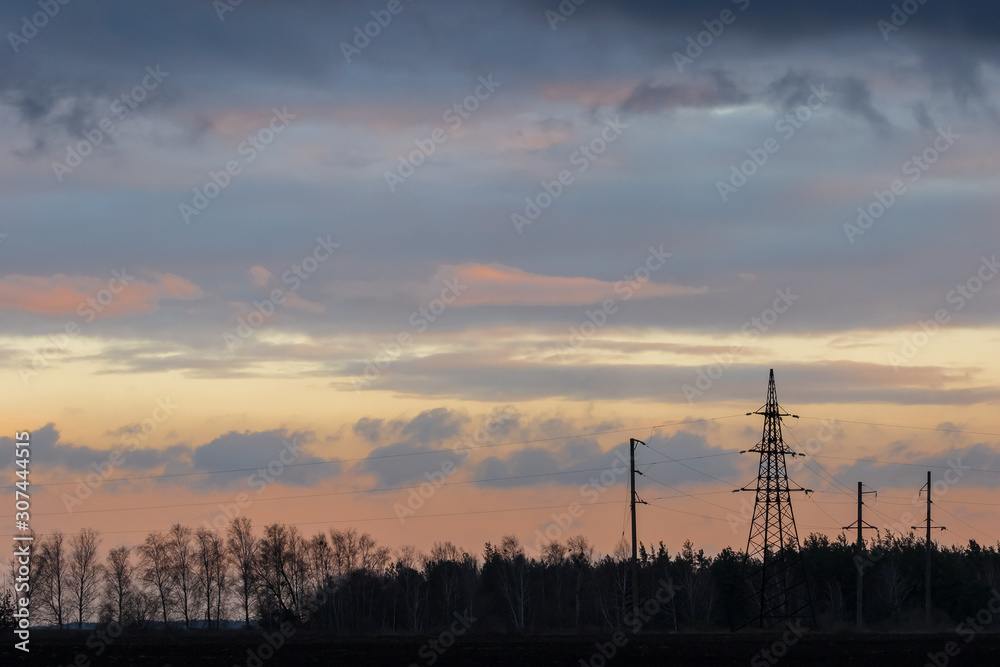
pixel 395 518
pixel 673 460
pixel 342 493
pixel 390 456
pixel 324 494
pixel 983 532
pixel 384 518
pixel 904 463
pixel 919 428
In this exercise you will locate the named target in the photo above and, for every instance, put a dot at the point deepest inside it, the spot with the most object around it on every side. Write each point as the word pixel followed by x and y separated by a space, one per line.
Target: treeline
pixel 344 582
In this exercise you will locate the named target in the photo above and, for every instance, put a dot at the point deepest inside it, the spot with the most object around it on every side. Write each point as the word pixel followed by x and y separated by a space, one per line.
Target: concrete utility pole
pixel 929 546
pixel 927 574
pixel 860 551
pixel 635 557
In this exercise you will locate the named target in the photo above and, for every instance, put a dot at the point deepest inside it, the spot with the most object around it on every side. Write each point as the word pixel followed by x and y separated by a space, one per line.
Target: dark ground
pixel 231 648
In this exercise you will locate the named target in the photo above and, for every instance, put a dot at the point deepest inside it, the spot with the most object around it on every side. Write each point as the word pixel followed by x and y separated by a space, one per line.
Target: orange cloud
pixel 503 285
pixel 65 295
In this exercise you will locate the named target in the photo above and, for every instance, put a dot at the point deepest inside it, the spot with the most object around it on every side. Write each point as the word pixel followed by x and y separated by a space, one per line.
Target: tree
pixel 512 570
pixel 6 610
pixel 118 573
pixel 84 573
pixel 181 566
pixel 155 561
pixel 274 572
pixel 52 568
pixel 242 550
pixel 208 562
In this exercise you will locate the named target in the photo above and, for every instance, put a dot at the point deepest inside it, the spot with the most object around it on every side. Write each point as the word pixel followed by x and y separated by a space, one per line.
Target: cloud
pixel 533 466
pixel 275 452
pixel 504 285
pixel 280 455
pixel 369 429
pixel 849 94
pixel 434 425
pixel 720 91
pixel 69 295
pixel 800 383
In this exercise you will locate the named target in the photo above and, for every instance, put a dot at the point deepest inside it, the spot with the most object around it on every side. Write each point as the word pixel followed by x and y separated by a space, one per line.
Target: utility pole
pixel 929 545
pixel 860 551
pixel 927 573
pixel 635 557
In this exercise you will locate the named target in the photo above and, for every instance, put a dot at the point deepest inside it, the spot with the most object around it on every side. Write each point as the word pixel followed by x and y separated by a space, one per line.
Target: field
pixel 238 648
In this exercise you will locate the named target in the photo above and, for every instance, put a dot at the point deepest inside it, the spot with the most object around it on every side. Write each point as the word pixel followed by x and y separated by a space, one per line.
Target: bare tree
pixel 84 572
pixel 345 550
pixel 581 553
pixel 204 574
pixel 513 571
pixel 274 569
pixel 181 566
pixel 118 573
pixel 320 560
pixel 53 568
pixel 155 561
pixel 242 549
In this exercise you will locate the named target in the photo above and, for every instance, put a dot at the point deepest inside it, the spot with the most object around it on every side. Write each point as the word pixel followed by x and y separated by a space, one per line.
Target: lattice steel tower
pixel 773 574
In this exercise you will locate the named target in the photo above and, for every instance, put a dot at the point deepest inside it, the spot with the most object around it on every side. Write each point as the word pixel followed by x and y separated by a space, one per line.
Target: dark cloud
pixel 849 94
pixel 47 445
pixel 369 429
pixel 390 469
pixel 801 384
pixel 720 90
pixel 922 116
pixel 271 451
pixel 952 470
pixel 533 466
pixel 434 425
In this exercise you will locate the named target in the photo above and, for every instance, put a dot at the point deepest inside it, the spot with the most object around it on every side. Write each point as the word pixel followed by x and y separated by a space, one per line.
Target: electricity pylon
pixel 773 572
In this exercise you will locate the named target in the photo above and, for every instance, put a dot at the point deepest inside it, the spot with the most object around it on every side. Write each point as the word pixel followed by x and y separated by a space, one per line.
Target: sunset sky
pixel 224 229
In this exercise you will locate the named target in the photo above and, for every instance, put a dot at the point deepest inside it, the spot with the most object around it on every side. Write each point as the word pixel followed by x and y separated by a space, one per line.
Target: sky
pixel 266 259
